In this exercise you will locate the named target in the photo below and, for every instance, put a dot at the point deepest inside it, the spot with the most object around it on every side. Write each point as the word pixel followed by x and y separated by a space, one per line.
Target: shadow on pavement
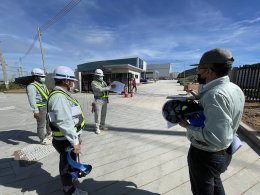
pixel 34 179
pixel 147 131
pixel 249 142
pixel 105 187
pixel 31 178
pixel 15 136
pixel 90 128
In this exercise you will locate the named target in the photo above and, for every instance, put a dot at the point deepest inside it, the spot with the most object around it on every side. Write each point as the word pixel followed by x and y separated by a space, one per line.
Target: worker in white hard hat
pixel 66 122
pixel 101 92
pixel 38 93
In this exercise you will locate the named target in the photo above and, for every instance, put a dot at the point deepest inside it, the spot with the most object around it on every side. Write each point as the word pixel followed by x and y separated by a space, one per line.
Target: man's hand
pixel 37 116
pixel 76 148
pixel 183 123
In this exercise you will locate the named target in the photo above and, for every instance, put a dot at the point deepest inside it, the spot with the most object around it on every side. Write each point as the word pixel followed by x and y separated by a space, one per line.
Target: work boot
pixel 79 192
pixel 48 136
pixel 97 131
pixel 46 141
pixel 103 128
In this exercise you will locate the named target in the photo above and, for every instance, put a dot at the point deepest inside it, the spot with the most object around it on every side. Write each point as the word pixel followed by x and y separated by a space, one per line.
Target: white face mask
pixel 100 78
pixel 72 87
pixel 42 79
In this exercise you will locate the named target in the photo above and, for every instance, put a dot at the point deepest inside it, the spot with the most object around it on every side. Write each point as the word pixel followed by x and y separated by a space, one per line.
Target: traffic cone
pixel 126 92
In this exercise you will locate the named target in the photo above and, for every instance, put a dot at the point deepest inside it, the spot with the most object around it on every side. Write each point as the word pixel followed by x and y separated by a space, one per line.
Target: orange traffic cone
pixel 126 92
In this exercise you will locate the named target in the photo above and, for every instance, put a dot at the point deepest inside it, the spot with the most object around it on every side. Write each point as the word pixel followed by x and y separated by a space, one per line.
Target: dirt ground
pixel 251 115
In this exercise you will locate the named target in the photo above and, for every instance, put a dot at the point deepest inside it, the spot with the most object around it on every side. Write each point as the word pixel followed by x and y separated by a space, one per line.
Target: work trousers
pixel 100 112
pixel 43 123
pixel 64 167
pixel 134 88
pixel 205 169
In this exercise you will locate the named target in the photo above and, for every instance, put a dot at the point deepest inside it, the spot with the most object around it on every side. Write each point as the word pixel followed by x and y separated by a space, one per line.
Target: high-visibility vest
pixel 55 130
pixel 105 93
pixel 44 94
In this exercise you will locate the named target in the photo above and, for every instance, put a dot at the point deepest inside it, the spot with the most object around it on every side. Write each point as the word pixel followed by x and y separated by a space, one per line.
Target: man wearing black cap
pixel 223 102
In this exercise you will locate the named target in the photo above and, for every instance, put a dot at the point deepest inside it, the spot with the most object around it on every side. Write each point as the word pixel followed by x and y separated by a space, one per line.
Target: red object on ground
pixel 126 92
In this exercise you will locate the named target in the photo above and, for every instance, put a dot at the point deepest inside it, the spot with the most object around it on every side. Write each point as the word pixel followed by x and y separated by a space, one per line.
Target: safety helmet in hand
pixel 64 72
pixel 175 110
pixel 38 72
pixel 77 169
pixel 99 72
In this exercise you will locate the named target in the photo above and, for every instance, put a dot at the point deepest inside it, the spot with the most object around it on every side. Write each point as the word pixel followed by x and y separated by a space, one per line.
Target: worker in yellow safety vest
pixel 101 92
pixel 38 93
pixel 66 122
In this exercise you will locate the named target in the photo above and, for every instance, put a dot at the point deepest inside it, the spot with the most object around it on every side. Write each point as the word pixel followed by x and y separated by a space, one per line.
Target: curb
pixel 14 92
pixel 250 133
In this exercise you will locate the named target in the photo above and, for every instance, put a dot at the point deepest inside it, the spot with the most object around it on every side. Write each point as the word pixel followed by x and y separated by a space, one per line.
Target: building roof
pixel 91 66
pixel 123 66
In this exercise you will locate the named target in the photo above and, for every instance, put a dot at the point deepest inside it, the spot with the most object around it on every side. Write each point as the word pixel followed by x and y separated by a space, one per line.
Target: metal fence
pixel 248 79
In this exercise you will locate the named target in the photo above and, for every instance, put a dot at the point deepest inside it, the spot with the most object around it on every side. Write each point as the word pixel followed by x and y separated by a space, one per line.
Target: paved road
pixel 138 155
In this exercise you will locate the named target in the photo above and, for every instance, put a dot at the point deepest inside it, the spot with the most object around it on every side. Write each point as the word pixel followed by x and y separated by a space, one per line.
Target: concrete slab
pixel 138 155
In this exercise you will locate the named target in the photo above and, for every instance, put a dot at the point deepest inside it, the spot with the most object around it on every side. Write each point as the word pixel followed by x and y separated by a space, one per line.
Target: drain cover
pixel 32 153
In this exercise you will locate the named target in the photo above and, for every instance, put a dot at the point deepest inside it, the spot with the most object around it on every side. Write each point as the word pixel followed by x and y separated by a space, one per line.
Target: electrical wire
pixel 59 15
pixel 52 21
pixel 30 48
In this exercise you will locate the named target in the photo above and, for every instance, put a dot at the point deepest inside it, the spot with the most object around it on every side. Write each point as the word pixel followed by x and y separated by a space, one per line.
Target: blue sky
pixel 158 31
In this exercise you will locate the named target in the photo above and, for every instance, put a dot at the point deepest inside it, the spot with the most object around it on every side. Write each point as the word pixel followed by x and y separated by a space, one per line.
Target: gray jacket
pixel 99 88
pixel 62 109
pixel 223 104
pixel 35 97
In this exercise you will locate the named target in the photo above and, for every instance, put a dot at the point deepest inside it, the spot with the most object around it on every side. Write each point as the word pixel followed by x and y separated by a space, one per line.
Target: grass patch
pixel 12 86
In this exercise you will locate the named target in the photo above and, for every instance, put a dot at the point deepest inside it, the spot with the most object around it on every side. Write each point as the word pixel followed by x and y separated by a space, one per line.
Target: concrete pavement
pixel 138 155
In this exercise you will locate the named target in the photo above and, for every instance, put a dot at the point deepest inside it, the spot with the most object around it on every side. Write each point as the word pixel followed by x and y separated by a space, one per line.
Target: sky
pixel 157 31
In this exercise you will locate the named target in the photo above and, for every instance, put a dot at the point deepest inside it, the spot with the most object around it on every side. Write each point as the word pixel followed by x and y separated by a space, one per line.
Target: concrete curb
pixel 13 92
pixel 250 133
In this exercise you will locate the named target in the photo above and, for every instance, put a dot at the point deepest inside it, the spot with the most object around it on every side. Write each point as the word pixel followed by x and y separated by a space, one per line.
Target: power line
pixel 52 21
pixel 60 14
pixel 30 48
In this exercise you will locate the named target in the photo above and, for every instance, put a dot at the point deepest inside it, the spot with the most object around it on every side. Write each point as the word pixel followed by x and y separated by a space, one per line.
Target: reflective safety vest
pixel 55 130
pixel 105 93
pixel 45 93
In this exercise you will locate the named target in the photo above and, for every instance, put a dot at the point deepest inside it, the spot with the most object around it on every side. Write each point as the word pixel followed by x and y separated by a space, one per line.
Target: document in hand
pixel 119 87
pixel 235 145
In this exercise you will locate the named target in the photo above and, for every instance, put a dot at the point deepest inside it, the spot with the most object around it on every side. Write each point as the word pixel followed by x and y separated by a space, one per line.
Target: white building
pixel 162 69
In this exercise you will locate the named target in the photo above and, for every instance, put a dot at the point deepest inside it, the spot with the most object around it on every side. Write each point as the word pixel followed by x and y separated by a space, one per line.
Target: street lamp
pixel 180 61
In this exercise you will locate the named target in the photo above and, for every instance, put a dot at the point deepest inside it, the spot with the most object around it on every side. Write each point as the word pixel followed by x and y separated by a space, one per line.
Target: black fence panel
pixel 248 79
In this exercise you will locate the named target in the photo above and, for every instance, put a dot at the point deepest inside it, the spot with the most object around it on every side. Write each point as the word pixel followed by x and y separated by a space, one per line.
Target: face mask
pixel 201 80
pixel 72 87
pixel 100 78
pixel 42 79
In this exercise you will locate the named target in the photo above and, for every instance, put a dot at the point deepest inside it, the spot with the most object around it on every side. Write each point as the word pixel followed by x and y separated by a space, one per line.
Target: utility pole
pixel 184 77
pixel 21 67
pixel 4 70
pixel 40 40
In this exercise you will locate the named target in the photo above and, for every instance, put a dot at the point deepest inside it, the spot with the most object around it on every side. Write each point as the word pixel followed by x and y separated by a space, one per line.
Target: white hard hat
pixel 99 72
pixel 64 72
pixel 38 72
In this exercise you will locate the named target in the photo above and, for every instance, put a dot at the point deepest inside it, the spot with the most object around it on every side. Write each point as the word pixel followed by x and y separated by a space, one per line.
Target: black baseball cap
pixel 216 56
